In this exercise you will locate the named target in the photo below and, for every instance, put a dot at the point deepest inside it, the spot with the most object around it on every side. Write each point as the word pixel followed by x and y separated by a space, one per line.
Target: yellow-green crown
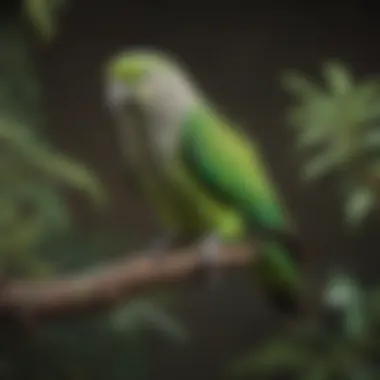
pixel 132 64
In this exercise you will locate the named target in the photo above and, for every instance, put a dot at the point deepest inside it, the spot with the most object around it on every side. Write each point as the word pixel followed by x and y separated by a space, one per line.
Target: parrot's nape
pixel 201 174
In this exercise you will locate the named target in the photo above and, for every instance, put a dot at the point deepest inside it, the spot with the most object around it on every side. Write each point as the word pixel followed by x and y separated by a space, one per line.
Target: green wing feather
pixel 230 167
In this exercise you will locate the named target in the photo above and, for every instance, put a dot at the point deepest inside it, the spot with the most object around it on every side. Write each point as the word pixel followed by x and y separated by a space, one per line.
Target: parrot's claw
pixel 210 248
pixel 159 246
pixel 162 244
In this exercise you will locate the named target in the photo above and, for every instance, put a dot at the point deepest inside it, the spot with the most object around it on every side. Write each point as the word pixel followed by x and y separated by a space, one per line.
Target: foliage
pixel 89 347
pixel 34 176
pixel 20 90
pixel 43 14
pixel 36 230
pixel 339 123
pixel 344 344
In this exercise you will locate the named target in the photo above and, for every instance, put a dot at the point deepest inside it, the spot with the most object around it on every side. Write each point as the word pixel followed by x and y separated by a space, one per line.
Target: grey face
pixel 149 114
pixel 118 94
pixel 122 102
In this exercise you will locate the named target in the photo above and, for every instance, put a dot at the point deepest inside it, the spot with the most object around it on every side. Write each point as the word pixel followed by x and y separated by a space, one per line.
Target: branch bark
pixel 49 299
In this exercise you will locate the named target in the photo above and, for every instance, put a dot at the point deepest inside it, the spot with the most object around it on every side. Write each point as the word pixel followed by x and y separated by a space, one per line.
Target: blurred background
pixel 238 53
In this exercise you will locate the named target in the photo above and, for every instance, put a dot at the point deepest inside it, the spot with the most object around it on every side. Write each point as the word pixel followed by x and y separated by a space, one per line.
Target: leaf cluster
pixel 337 124
pixel 344 344
pixel 44 16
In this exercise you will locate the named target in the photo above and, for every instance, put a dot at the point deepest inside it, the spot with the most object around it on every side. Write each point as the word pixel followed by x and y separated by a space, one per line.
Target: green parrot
pixel 204 178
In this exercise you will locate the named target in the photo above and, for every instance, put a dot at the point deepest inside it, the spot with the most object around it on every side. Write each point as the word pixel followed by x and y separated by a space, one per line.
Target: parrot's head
pixel 146 78
pixel 154 84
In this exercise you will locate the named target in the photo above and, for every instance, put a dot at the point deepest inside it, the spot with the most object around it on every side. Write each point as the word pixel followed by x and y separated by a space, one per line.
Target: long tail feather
pixel 279 274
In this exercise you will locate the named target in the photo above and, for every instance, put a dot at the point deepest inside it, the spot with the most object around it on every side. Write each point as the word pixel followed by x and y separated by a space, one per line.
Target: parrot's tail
pixel 279 273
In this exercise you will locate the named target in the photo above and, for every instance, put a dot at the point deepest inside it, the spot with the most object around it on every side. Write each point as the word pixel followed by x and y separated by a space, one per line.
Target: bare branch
pixel 47 299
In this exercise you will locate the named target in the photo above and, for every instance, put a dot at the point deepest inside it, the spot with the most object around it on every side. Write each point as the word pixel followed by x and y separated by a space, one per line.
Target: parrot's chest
pixel 181 204
pixel 179 201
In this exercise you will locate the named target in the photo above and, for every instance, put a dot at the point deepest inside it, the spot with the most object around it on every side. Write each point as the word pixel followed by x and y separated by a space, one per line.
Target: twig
pixel 49 299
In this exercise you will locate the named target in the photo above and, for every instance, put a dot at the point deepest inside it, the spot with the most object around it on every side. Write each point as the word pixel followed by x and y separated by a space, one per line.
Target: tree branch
pixel 48 299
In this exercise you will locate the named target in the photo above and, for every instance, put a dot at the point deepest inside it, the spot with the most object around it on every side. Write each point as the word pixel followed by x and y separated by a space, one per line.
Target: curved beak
pixel 118 94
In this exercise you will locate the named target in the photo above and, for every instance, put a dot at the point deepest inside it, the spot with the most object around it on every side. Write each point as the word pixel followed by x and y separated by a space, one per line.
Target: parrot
pixel 203 177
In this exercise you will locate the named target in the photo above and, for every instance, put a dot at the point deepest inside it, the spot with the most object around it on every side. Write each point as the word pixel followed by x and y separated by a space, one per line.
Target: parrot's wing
pixel 231 168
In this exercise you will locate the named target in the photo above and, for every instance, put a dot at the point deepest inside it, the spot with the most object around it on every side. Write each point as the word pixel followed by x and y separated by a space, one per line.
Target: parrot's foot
pixel 164 243
pixel 160 244
pixel 210 248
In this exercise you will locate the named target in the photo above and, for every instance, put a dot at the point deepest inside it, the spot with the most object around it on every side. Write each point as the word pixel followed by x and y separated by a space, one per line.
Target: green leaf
pixel 363 372
pixel 321 165
pixel 318 113
pixel 313 137
pixel 51 164
pixel 296 117
pixel 320 370
pixel 141 313
pixel 338 78
pixel 356 321
pixel 374 168
pixel 371 114
pixel 281 355
pixel 368 89
pixel 344 292
pixel 32 179
pixel 371 140
pixel 317 168
pixel 361 201
pixel 340 290
pixel 43 15
pixel 367 101
pixel 298 85
pixel 374 304
pixel 75 175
